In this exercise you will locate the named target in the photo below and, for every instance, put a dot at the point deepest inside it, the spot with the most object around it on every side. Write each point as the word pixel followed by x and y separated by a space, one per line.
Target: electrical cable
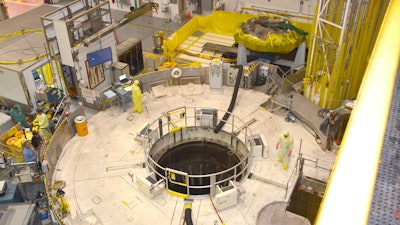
pixel 233 100
pixel 215 209
pixel 188 216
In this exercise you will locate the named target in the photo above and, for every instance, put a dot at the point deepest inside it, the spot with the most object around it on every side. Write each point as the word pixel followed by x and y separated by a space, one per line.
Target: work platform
pixel 300 107
pixel 102 168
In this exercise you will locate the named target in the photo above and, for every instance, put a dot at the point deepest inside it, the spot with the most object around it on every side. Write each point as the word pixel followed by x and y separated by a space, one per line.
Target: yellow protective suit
pixel 285 147
pixel 137 97
pixel 43 125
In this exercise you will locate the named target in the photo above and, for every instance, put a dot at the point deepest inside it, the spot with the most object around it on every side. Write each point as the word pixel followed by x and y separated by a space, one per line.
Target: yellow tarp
pixel 228 23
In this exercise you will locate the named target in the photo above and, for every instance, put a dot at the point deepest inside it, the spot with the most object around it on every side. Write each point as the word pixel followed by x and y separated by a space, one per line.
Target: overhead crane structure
pixel 340 49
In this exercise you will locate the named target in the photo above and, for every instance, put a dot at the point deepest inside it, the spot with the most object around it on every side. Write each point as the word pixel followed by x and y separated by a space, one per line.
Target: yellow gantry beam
pixel 342 42
pixel 350 189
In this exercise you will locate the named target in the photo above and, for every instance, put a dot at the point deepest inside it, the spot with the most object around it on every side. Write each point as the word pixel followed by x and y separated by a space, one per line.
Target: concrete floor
pixel 99 188
pixel 96 167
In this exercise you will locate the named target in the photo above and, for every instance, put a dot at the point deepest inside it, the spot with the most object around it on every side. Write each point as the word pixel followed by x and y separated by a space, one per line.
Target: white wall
pixel 80 66
pixel 290 6
pixel 11 86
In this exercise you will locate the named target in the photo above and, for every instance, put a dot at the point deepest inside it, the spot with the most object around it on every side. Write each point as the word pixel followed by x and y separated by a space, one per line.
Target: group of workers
pixel 40 129
pixel 41 123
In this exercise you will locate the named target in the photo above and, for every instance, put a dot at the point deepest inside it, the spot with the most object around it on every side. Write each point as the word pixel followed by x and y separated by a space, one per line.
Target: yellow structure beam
pixel 344 31
pixel 349 192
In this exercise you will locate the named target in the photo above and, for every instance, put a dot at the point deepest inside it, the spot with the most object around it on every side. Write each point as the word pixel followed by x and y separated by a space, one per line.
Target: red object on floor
pixel 189 15
pixel 397 214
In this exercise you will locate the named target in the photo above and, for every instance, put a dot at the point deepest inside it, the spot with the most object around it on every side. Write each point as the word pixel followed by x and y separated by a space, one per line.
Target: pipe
pixel 188 214
pixel 233 100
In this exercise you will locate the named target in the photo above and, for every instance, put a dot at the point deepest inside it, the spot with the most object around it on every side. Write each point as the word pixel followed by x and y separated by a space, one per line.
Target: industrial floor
pixel 96 167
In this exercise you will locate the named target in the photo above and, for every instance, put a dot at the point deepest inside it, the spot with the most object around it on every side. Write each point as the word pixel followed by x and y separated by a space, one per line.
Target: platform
pixel 97 167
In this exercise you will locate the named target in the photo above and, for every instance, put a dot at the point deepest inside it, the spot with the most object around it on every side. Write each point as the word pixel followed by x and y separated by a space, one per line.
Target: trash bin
pixel 81 126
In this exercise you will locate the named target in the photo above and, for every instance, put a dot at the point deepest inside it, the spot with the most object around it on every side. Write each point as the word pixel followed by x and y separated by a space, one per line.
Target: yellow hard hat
pixel 285 133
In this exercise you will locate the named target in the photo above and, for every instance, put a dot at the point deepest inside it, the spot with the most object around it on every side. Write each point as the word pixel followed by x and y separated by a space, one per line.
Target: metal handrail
pixel 239 170
pixel 354 174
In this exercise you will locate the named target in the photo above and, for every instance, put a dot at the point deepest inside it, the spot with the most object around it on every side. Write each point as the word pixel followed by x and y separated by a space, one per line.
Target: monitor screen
pixel 99 57
pixel 36 75
pixel 123 76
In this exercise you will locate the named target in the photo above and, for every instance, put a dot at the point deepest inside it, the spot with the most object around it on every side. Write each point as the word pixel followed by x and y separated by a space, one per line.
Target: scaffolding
pixel 343 31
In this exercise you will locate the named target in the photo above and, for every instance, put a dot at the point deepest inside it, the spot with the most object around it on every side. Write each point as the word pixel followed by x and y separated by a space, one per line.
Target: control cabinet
pixel 130 52
pixel 231 74
pixel 216 74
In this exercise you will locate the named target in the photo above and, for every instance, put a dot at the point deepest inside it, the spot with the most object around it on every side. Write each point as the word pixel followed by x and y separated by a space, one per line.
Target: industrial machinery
pixel 260 145
pixel 158 38
pixel 228 196
pixel 149 185
pixel 215 75
pixel 207 117
pixel 231 73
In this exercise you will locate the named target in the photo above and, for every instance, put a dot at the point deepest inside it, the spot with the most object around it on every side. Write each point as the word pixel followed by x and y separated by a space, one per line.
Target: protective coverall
pixel 285 147
pixel 137 97
pixel 43 123
pixel 18 116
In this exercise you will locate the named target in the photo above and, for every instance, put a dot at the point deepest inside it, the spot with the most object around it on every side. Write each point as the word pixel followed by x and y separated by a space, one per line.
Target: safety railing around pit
pixel 190 123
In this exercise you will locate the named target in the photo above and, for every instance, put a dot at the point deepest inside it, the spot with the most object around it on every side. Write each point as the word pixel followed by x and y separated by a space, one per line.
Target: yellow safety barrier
pixel 220 22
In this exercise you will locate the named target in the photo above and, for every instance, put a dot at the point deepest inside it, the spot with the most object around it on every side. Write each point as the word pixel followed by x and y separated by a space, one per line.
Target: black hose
pixel 233 100
pixel 188 216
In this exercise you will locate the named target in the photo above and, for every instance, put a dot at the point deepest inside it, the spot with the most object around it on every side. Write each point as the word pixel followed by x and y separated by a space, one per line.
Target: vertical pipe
pixel 160 127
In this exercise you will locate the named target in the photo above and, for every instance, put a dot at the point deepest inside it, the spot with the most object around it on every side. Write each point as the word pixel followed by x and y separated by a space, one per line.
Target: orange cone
pixel 188 15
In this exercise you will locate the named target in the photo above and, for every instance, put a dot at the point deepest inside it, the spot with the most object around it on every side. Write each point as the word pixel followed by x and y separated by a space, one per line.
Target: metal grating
pixel 385 207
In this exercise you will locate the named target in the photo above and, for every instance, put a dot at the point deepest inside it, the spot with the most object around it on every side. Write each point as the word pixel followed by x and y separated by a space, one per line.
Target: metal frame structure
pixel 340 48
pixel 351 187
pixel 333 20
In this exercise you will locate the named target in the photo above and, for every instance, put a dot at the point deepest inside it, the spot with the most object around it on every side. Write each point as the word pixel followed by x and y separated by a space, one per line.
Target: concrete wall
pixel 80 64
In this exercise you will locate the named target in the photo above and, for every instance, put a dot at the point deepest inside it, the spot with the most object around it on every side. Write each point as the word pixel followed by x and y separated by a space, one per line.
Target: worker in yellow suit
pixel 42 122
pixel 137 97
pixel 285 148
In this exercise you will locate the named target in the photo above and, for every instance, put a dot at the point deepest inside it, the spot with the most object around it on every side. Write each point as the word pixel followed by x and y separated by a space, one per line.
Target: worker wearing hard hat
pixel 137 97
pixel 285 148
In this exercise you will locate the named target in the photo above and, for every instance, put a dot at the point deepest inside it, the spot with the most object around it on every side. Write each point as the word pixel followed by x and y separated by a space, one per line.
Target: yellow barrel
pixel 81 126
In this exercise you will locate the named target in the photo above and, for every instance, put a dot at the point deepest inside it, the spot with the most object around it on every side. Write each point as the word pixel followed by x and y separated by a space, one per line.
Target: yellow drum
pixel 81 126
